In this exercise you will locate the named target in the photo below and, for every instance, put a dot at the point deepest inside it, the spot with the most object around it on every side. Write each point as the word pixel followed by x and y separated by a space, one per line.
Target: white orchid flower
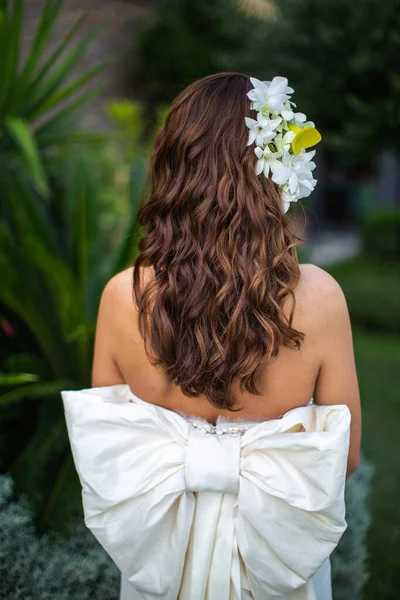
pixel 281 137
pixel 261 130
pixel 299 118
pixel 300 181
pixel 269 96
pixel 271 162
pixel 258 95
pixel 287 197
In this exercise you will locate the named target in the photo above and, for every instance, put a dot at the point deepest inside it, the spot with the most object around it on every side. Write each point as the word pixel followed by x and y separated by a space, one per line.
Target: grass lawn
pixel 378 368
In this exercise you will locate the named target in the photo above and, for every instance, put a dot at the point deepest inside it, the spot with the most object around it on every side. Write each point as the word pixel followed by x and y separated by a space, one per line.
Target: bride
pixel 224 415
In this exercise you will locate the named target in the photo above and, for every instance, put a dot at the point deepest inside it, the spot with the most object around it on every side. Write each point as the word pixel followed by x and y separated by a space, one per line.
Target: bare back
pixel 324 367
pixel 288 381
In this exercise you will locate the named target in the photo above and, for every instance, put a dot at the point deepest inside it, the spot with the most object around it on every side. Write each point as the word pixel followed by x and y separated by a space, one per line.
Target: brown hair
pixel 223 254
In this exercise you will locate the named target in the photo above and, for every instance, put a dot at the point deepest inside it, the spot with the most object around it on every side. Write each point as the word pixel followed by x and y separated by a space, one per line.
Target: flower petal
pixel 287 115
pixel 266 168
pixel 309 155
pixel 300 117
pixel 256 96
pixel 293 181
pixel 308 184
pixel 277 102
pixel 260 85
pixel 250 122
pixel 278 86
pixel 265 137
pixel 285 204
pixel 280 174
pixel 260 166
pixel 252 137
pixel 307 136
pixel 289 137
pixel 273 123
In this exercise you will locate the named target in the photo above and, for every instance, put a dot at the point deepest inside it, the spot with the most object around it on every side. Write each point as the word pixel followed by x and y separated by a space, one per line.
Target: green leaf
pixel 68 304
pixel 59 50
pixel 47 20
pixel 19 130
pixel 75 85
pixel 31 364
pixel 44 90
pixel 50 130
pixel 17 378
pixel 32 303
pixel 10 55
pixel 3 43
pixel 35 390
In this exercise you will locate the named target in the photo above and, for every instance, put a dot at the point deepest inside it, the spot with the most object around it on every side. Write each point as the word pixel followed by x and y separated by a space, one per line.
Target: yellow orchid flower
pixel 305 137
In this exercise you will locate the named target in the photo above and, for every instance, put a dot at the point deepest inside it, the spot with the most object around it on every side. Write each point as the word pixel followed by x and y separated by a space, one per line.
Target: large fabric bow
pixel 188 514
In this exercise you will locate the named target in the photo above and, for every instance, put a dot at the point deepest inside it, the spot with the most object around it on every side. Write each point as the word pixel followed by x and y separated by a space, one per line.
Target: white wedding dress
pixel 192 511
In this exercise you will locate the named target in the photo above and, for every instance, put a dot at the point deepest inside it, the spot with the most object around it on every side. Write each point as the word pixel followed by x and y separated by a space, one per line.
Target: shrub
pixel 51 566
pixel 380 234
pixel 349 559
pixel 372 292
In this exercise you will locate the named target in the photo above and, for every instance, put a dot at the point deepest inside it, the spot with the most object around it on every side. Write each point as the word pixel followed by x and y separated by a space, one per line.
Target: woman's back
pixel 323 368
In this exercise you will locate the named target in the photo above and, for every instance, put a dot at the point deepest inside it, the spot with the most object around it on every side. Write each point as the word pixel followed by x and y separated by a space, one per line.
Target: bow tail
pixel 283 546
pixel 212 568
pixel 142 535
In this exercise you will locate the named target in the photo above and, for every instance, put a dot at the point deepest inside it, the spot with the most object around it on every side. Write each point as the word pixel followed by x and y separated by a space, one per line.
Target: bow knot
pixel 212 463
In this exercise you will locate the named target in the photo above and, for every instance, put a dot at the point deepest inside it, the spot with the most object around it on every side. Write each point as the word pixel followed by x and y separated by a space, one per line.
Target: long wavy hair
pixel 223 255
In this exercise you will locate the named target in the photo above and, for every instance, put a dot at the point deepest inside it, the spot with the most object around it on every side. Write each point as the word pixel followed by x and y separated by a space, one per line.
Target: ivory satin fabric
pixel 192 515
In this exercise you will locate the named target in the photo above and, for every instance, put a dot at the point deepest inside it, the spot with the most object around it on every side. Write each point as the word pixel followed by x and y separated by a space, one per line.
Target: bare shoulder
pixel 320 301
pixel 316 279
pixel 117 306
pixel 118 298
pixel 320 289
pixel 114 310
pixel 117 291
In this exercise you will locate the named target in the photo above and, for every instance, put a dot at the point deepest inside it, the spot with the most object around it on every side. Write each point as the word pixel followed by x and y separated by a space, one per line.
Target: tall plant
pixel 55 253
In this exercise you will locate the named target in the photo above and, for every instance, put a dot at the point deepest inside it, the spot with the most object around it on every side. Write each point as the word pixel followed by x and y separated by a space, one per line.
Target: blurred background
pixel 84 86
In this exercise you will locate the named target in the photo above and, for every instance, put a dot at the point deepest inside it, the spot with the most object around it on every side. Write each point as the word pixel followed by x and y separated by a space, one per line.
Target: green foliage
pixel 349 559
pixel 61 238
pixel 34 116
pixel 54 267
pixel 378 360
pixel 189 40
pixel 380 234
pixel 372 291
pixel 49 567
pixel 344 71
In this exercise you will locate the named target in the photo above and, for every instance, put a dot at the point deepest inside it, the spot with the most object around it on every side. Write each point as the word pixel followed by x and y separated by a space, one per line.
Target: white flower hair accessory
pixel 281 137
